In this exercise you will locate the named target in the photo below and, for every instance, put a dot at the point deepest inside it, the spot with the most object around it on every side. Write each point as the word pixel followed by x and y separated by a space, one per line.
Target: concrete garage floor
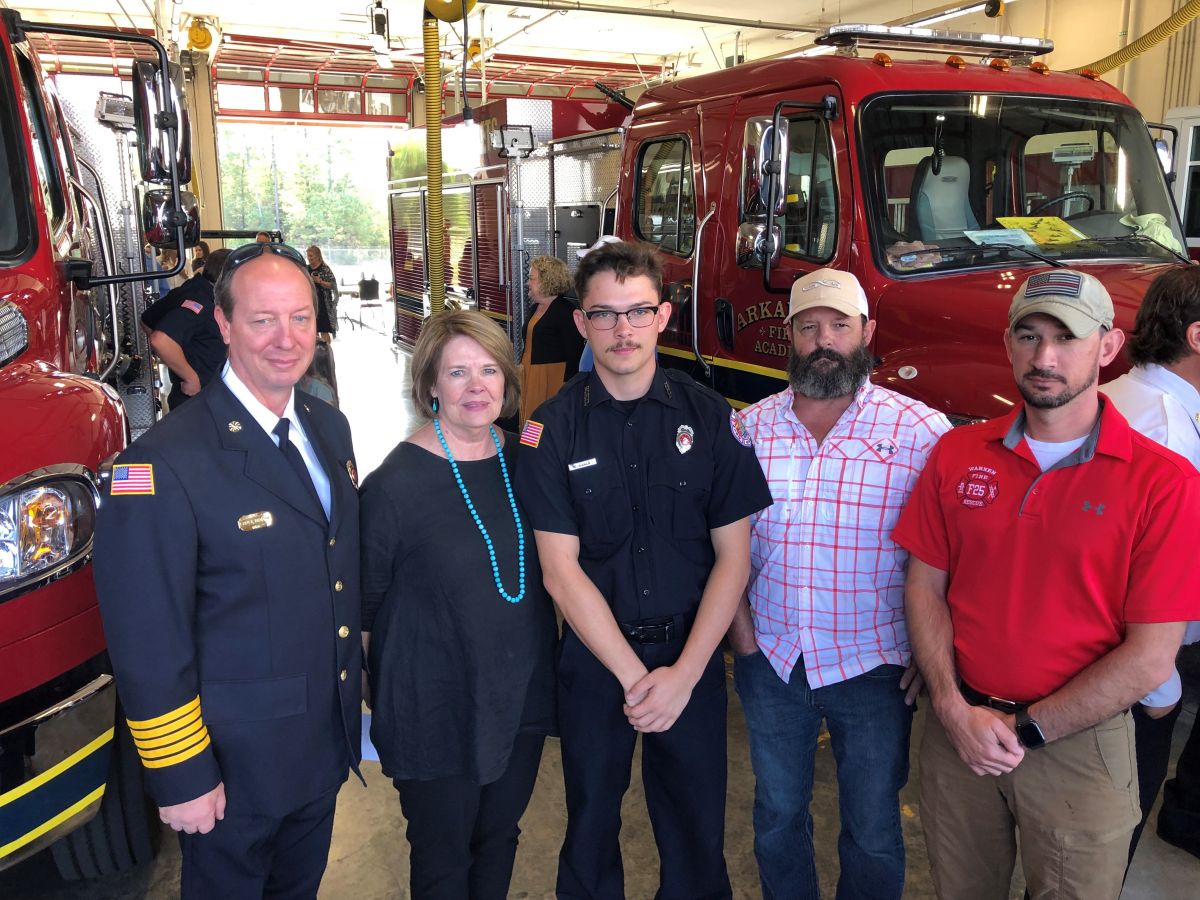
pixel 369 857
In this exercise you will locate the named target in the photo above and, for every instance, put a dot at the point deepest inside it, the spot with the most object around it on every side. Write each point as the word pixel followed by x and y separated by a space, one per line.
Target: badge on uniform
pixel 192 306
pixel 235 426
pixel 352 472
pixel 136 480
pixel 685 435
pixel 255 521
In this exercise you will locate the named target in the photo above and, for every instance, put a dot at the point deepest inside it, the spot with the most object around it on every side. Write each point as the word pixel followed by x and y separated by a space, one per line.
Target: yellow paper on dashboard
pixel 1044 229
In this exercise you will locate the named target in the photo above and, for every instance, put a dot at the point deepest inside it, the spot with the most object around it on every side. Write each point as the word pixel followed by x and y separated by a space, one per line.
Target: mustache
pixel 1045 373
pixel 623 345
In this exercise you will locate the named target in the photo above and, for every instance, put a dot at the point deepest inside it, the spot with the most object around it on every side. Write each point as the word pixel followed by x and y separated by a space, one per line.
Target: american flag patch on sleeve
pixel 193 305
pixel 531 434
pixel 132 480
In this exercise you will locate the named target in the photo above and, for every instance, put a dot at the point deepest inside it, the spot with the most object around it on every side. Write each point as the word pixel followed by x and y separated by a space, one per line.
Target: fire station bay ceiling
pixel 364 59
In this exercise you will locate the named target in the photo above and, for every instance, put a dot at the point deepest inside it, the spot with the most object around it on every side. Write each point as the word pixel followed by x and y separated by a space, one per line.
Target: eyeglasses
pixel 247 252
pixel 606 319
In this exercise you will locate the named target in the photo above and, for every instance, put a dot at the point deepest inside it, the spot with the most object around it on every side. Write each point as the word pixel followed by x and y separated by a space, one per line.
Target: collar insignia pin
pixel 235 426
pixel 684 436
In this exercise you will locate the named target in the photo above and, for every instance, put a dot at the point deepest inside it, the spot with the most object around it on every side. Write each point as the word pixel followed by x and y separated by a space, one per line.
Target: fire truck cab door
pixel 667 193
pixel 809 228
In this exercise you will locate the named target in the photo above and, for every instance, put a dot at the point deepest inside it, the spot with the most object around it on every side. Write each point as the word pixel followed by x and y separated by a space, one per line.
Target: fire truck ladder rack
pixel 853 37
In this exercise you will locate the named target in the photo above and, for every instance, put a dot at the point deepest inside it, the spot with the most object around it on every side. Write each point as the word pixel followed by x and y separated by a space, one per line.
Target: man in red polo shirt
pixel 1052 570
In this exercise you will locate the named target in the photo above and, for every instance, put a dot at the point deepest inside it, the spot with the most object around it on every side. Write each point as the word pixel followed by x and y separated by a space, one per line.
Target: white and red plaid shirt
pixel 826 579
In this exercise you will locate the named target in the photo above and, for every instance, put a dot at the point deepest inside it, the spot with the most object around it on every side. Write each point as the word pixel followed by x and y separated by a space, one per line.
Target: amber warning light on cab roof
pixel 903 37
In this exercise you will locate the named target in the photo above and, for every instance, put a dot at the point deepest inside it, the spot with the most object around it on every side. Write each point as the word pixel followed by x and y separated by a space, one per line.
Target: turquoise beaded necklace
pixel 512 502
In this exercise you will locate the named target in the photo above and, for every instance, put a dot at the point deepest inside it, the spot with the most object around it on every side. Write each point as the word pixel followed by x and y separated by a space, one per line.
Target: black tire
pixel 125 831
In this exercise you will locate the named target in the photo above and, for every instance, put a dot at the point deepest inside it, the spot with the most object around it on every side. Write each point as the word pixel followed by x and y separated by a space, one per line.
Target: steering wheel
pixel 1063 198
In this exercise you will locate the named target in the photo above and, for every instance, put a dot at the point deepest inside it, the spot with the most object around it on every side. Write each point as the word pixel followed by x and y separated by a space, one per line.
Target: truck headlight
pixel 46 526
pixel 14 332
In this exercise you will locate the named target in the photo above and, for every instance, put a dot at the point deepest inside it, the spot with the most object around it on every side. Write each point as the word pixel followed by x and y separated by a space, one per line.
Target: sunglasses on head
pixel 247 252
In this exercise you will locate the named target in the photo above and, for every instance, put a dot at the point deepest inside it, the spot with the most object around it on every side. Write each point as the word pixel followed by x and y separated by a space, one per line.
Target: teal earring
pixel 435 406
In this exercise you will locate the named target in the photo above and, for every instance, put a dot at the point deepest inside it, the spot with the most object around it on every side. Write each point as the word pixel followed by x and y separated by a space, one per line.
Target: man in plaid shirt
pixel 822 636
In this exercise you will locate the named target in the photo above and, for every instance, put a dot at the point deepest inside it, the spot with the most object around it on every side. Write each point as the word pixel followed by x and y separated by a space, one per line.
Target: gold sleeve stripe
pixel 146 734
pixel 165 717
pixel 181 757
pixel 177 752
pixel 173 738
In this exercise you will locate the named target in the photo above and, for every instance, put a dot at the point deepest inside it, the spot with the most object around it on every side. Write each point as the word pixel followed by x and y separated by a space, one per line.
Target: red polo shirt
pixel 1046 568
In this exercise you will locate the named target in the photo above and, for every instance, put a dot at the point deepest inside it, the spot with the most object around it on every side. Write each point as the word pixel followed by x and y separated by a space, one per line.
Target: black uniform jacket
pixel 231 606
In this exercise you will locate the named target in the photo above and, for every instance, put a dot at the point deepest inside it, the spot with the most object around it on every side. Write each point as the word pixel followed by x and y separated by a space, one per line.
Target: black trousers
pixel 683 772
pixel 251 857
pixel 462 835
pixel 1153 745
pixel 1179 817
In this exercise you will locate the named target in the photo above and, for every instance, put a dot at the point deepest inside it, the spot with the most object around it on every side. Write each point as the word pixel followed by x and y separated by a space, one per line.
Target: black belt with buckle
pixel 978 698
pixel 650 632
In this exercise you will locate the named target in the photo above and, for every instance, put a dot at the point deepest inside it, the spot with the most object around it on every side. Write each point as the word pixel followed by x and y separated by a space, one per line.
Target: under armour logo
pixel 885 448
pixel 1098 508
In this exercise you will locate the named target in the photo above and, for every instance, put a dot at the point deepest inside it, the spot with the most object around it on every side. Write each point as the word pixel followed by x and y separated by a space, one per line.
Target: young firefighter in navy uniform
pixel 228 575
pixel 640 484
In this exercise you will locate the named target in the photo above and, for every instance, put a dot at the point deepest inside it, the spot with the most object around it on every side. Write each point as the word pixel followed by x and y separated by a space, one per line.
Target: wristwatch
pixel 1029 732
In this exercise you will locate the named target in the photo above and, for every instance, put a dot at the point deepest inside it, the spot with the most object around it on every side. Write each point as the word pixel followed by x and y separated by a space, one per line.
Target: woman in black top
pixel 459 630
pixel 326 283
pixel 553 343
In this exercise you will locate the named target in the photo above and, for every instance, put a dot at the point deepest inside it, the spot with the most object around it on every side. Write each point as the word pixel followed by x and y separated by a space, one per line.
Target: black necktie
pixel 292 453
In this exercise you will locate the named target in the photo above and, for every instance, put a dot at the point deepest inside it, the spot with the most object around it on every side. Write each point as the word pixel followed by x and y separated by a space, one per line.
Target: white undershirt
pixel 1049 454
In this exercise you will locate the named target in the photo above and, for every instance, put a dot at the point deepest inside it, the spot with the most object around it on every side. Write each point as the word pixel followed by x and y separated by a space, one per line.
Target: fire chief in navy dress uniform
pixel 227 566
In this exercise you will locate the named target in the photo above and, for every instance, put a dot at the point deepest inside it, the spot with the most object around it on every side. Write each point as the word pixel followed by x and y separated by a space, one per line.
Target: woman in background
pixel 552 340
pixel 326 283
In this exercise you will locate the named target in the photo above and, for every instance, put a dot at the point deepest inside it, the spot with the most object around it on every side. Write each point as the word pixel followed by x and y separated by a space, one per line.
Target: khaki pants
pixel 1074 802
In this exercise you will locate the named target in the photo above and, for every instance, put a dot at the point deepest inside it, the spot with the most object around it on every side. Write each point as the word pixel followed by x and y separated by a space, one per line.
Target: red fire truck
pixel 941 184
pixel 74 382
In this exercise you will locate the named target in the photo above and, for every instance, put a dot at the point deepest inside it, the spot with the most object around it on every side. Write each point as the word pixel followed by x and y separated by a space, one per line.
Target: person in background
pixel 552 341
pixel 185 335
pixel 326 284
pixel 458 628
pixel 169 259
pixel 1160 396
pixel 199 255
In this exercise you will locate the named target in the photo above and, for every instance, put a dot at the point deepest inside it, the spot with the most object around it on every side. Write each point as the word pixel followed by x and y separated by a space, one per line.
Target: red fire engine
pixel 74 382
pixel 941 184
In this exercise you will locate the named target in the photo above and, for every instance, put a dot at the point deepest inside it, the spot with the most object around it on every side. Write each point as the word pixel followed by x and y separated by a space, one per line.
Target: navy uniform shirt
pixel 641 483
pixel 192 325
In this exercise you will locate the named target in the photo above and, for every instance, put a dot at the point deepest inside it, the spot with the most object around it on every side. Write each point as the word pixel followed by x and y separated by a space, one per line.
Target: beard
pixel 827 382
pixel 1052 401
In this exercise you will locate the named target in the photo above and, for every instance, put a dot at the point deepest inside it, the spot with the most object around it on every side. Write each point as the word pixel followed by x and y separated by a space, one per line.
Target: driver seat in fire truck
pixel 940 203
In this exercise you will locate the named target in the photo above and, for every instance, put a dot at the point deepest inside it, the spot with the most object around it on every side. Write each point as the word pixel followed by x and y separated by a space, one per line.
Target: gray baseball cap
pixel 1076 299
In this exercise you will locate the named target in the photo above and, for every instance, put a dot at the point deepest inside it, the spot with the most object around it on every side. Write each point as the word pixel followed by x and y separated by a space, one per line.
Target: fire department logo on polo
pixel 978 488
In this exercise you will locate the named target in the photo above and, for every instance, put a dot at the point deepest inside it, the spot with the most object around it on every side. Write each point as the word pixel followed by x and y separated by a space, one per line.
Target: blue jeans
pixel 869 725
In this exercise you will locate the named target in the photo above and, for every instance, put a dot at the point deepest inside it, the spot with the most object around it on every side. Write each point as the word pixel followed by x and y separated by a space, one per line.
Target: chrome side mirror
pixel 159 218
pixel 155 151
pixel 753 245
pixel 772 162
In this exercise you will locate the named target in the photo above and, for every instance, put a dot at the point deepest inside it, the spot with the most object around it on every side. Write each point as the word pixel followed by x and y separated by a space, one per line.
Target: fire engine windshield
pixel 963 180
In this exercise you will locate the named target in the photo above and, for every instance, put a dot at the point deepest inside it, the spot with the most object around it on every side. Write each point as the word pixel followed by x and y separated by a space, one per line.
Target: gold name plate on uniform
pixel 255 521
